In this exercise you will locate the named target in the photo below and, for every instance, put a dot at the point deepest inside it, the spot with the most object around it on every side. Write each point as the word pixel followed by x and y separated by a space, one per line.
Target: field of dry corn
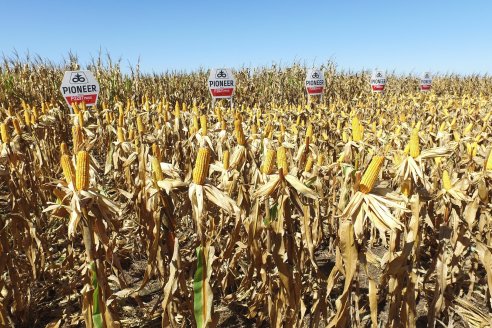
pixel 154 209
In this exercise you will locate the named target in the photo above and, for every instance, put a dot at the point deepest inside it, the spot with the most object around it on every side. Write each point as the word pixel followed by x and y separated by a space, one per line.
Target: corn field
pixel 154 209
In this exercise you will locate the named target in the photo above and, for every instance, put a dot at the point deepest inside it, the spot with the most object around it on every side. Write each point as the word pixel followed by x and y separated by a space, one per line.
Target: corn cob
pixel 27 117
pixel 200 171
pixel 5 133
pixel 64 149
pixel 121 134
pixel 225 159
pixel 371 174
pixel 488 165
pixel 267 166
pixel 238 128
pixel 356 130
pixel 321 158
pixel 120 119
pixel 309 164
pixel 414 146
pixel 156 169
pixel 67 167
pixel 140 126
pixel 16 124
pixel 203 124
pixel 282 163
pixel 446 181
pixel 82 171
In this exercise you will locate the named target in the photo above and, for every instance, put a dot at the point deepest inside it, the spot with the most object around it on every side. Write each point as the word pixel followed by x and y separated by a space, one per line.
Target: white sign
pixel 315 82
pixel 378 81
pixel 425 82
pixel 78 87
pixel 221 83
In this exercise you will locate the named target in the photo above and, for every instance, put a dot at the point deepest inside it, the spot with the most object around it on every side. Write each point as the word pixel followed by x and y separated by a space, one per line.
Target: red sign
pixel 425 87
pixel 224 92
pixel 377 87
pixel 87 99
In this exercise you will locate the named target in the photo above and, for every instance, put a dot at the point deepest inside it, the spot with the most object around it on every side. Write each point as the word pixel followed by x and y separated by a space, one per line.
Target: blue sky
pixel 405 36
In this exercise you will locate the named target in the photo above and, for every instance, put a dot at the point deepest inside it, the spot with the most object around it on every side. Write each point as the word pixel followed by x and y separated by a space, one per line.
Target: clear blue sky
pixel 406 36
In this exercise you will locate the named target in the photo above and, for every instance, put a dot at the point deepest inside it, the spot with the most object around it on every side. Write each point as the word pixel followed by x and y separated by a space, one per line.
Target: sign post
pixel 378 81
pixel 425 82
pixel 78 87
pixel 221 84
pixel 315 83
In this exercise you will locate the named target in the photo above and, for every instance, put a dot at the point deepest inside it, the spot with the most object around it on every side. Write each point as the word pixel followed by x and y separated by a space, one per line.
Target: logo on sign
pixel 77 78
pixel 315 75
pixel 221 74
pixel 427 75
pixel 379 74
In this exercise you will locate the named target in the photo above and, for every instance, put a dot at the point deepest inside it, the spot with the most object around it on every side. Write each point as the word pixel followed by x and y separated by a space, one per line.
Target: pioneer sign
pixel 78 87
pixel 425 82
pixel 221 83
pixel 315 82
pixel 378 81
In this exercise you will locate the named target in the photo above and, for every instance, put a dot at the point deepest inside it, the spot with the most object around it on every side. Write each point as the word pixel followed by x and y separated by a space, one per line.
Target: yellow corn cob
pixel 414 146
pixel 282 164
pixel 121 119
pixel 121 134
pixel 309 130
pixel 488 165
pixel 200 171
pixel 67 167
pixel 5 133
pixel 371 174
pixel 16 124
pixel 321 158
pixel 140 126
pixel 82 171
pixel 446 181
pixel 456 136
pixel 309 164
pixel 203 123
pixel 225 159
pixel 75 108
pixel 267 166
pixel 156 169
pixel 27 117
pixel 471 149
pixel 64 149
pixel 356 129
pixel 131 133
pixel 468 129
pixel 238 128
